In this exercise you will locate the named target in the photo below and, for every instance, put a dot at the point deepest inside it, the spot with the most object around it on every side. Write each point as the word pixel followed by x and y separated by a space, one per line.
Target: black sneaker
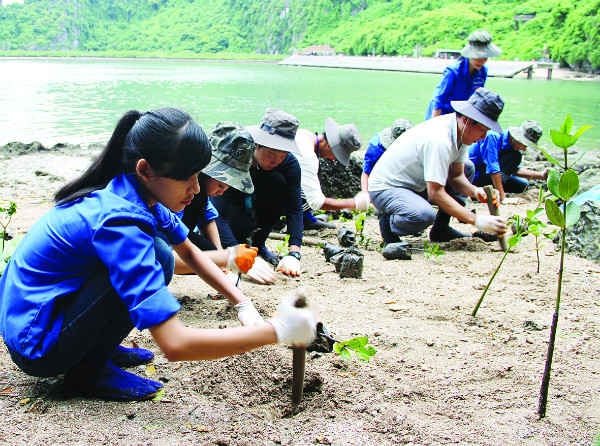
pixel 445 234
pixel 485 236
pixel 318 225
pixel 396 251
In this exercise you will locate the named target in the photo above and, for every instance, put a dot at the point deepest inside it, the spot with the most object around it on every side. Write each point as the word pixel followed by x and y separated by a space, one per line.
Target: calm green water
pixel 80 100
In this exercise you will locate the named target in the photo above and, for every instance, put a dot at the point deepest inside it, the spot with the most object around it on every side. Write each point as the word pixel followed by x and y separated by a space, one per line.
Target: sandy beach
pixel 440 375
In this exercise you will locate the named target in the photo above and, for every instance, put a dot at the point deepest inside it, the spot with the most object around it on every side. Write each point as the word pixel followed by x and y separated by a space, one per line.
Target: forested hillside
pixel 565 31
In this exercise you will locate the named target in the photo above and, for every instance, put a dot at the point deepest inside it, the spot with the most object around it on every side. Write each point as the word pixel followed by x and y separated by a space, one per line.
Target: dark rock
pixel 338 181
pixel 583 239
pixel 20 148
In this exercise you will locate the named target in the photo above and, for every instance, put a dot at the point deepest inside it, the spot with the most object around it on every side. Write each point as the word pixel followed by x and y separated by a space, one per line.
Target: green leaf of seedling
pixel 553 182
pixel 345 353
pixel 365 353
pixel 581 131
pixel 567 124
pixel 573 213
pixel 534 229
pixel 359 222
pixel 554 214
pixel 357 342
pixel 358 345
pixel 568 184
pixel 532 215
pixel 562 140
pixel 514 240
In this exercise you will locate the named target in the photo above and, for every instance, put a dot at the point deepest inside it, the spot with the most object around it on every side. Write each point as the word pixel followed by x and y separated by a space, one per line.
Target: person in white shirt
pixel 425 167
pixel 337 142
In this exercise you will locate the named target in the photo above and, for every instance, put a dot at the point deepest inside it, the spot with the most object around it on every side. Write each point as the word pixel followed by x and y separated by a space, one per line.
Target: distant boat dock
pixel 496 68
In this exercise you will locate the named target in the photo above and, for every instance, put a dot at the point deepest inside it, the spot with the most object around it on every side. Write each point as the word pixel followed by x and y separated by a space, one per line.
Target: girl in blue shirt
pixel 460 80
pixel 98 264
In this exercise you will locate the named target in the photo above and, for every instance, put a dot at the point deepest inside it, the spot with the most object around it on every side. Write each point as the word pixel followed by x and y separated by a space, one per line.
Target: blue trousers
pixel 95 322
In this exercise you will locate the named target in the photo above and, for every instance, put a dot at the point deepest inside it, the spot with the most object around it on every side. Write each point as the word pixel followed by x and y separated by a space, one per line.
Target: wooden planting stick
pixel 298 364
pixel 490 192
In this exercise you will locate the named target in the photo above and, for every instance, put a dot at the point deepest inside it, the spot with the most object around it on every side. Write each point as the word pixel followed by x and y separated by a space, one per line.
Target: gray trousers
pixel 406 212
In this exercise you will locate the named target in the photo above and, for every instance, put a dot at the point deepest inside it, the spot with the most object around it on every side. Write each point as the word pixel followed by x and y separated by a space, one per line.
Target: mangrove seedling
pixel 358 345
pixel 563 184
pixel 282 246
pixel 432 250
pixel 7 243
pixel 512 242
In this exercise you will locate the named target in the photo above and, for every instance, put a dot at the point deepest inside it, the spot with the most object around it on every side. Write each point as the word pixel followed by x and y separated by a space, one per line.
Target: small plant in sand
pixel 7 243
pixel 563 184
pixel 432 250
pixel 521 226
pixel 359 225
pixel 531 224
pixel 358 345
pixel 282 246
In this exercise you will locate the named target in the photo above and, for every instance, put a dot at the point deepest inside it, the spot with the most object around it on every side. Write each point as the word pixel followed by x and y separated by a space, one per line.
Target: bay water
pixel 79 100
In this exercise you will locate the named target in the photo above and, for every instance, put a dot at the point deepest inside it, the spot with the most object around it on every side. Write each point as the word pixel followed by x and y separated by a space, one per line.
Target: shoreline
pixel 537 73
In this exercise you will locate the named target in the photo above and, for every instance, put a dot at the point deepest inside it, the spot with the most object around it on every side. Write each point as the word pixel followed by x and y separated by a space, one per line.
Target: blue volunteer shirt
pixel 111 229
pixel 456 85
pixel 485 153
pixel 373 153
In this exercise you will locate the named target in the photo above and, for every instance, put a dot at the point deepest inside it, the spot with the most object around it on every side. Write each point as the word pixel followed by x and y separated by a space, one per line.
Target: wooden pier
pixel 497 68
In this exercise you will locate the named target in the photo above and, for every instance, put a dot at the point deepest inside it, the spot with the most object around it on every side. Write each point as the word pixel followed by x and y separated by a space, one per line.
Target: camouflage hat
pixel 233 148
pixel 276 130
pixel 343 140
pixel 528 133
pixel 388 135
pixel 480 46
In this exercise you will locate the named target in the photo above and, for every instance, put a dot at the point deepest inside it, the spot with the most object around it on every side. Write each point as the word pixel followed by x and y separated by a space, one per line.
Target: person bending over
pixel 425 166
pixel 99 262
pixel 337 142
pixel 460 80
pixel 275 174
pixel 232 152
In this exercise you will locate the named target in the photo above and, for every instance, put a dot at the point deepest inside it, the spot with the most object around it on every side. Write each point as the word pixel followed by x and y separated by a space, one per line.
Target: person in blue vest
pixel 99 262
pixel 460 80
pixel 379 144
pixel 497 159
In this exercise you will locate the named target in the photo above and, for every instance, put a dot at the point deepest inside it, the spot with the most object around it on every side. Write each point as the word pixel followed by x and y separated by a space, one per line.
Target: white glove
pixel 289 265
pixel 491 223
pixel 362 201
pixel 294 326
pixel 247 314
pixel 261 272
